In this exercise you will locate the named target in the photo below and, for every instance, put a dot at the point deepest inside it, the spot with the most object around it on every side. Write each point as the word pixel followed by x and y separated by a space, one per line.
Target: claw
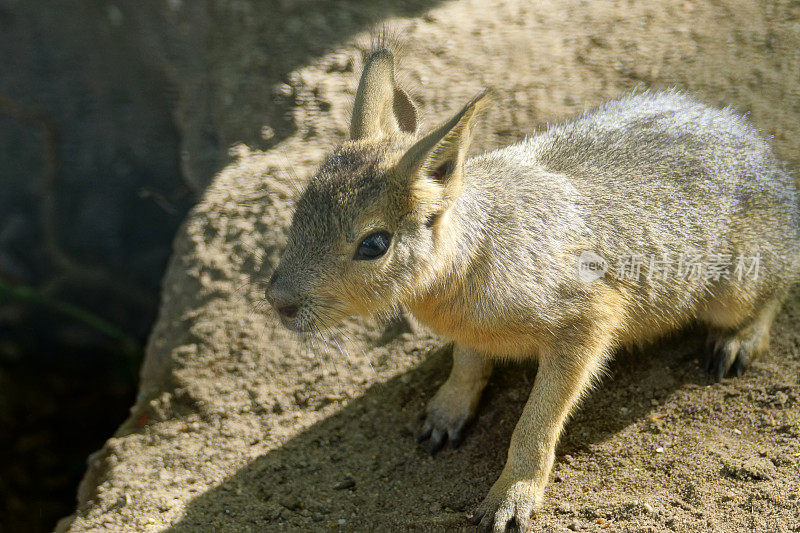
pixel 740 365
pixel 437 441
pixel 456 434
pixel 708 354
pixel 424 434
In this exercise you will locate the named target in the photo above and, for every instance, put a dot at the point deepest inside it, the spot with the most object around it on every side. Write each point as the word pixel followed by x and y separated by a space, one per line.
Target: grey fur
pixel 650 174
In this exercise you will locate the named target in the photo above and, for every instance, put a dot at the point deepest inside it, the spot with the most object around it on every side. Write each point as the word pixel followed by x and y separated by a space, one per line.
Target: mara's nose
pixel 284 302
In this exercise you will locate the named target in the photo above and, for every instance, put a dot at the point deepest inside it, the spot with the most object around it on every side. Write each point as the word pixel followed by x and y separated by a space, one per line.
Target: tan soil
pixel 238 427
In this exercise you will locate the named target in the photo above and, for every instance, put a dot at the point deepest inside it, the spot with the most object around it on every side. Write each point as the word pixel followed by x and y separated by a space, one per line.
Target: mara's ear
pixel 435 163
pixel 381 107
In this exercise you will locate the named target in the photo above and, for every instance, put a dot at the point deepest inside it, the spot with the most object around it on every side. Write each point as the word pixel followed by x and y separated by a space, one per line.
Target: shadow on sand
pixel 362 467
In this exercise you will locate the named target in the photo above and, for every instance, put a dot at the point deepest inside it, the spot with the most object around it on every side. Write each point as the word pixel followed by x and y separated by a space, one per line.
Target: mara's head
pixel 367 226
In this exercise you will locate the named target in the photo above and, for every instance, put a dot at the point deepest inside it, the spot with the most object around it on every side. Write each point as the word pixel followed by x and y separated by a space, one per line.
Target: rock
pixel 346 483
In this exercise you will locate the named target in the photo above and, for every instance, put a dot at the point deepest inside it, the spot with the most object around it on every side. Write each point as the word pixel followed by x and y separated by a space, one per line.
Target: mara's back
pixel 651 176
pixel 656 159
pixel 655 156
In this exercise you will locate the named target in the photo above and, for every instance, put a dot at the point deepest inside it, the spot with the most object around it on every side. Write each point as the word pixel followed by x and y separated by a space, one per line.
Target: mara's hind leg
pixel 729 350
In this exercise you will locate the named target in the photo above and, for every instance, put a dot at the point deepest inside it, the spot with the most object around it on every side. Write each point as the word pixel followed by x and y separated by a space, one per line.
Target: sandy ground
pixel 239 427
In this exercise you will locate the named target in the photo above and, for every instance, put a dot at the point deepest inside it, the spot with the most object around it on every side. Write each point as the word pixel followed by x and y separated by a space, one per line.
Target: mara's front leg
pixel 456 401
pixel 562 378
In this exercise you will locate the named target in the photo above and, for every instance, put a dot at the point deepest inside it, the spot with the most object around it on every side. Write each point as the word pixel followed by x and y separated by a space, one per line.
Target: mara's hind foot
pixel 728 352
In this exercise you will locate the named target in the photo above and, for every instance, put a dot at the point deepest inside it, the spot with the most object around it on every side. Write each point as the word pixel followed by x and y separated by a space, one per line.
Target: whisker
pixel 326 359
pixel 294 180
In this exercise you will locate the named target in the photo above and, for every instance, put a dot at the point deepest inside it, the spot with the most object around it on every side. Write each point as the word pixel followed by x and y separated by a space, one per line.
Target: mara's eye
pixel 373 245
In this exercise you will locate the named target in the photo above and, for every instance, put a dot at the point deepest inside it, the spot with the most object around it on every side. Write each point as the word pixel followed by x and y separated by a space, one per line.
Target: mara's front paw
pixel 446 416
pixel 507 500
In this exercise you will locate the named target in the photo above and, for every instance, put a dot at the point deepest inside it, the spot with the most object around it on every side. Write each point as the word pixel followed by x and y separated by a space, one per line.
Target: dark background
pixel 91 193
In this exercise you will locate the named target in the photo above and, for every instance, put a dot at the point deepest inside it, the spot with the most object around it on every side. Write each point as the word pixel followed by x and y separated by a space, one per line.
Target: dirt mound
pixel 239 427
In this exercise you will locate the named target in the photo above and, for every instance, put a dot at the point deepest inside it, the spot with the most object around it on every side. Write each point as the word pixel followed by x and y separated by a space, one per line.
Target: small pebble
pixel 659 450
pixel 285 90
pixel 737 431
pixel 291 502
pixel 346 483
pixel 121 502
pixel 341 521
pixel 574 526
pixel 267 133
pixel 648 507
